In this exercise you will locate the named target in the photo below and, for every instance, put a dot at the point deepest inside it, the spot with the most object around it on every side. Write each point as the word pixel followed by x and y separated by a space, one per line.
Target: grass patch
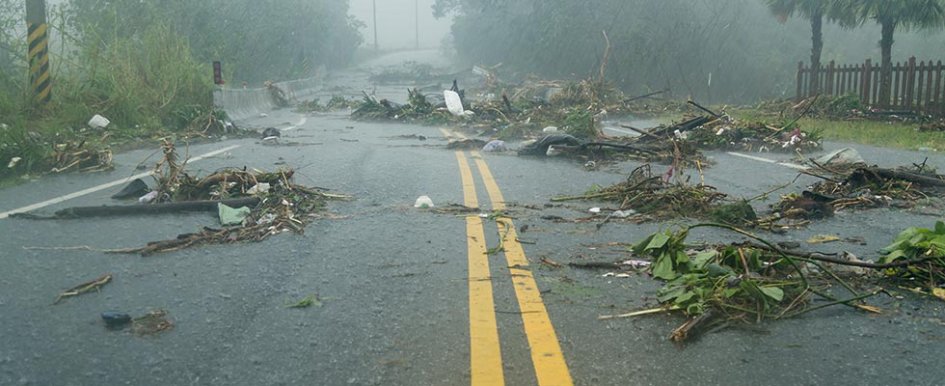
pixel 898 135
pixel 885 134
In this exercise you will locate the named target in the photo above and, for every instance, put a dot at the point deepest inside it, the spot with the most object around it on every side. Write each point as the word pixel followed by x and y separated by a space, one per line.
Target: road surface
pixel 408 297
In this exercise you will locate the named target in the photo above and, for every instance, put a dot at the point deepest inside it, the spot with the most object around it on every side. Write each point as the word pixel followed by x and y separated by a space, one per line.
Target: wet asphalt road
pixel 393 281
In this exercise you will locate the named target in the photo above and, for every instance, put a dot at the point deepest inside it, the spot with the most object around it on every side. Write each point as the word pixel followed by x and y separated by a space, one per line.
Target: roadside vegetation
pixel 147 68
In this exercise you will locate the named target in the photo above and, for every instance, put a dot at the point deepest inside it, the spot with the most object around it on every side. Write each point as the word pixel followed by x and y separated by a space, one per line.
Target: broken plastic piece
pixel 148 198
pixel 270 133
pixel 136 188
pixel 550 129
pixel 232 216
pixel 114 319
pixel 495 145
pixel 99 122
pixel 259 188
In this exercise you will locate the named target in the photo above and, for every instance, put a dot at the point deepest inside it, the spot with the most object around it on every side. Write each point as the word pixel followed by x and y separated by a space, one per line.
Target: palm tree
pixel 814 10
pixel 893 14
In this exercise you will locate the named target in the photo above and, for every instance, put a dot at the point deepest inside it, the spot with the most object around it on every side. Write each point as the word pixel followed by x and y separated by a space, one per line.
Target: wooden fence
pixel 914 87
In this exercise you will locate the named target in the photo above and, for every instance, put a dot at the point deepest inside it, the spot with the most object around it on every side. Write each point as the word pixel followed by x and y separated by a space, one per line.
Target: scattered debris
pixel 99 122
pixel 78 156
pixel 495 146
pixel 271 133
pixel 652 197
pixel 308 301
pixel 134 189
pixel 717 286
pixel 423 202
pixel 89 286
pixel 116 320
pixel 152 323
pixel 823 239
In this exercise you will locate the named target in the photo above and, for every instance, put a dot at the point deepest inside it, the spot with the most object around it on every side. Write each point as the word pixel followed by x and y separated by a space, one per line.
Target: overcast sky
pixel 396 23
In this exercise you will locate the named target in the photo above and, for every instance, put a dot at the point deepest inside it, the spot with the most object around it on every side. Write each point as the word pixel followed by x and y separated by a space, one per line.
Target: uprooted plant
pixel 722 285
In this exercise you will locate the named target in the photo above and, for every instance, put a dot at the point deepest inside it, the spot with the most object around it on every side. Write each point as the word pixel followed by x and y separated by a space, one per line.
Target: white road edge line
pixel 94 189
pixel 622 131
pixel 770 161
pixel 297 125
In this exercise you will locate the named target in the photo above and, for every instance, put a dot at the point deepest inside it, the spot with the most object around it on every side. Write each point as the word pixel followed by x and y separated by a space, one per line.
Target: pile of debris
pixel 252 205
pixel 858 186
pixel 80 156
pixel 645 197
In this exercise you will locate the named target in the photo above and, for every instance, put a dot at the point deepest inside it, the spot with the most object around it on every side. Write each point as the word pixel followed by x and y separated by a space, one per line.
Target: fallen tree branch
pixel 129 210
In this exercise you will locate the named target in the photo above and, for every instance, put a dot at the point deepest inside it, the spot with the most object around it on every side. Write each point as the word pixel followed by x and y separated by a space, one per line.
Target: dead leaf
pixel 939 293
pixel 821 239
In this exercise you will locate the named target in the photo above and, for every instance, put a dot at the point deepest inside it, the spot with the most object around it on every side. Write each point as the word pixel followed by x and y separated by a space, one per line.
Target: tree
pixel 892 15
pixel 815 11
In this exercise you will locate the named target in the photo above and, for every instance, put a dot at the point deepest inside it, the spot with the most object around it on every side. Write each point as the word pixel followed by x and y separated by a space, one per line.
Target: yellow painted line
pixel 550 366
pixel 485 354
pixel 449 134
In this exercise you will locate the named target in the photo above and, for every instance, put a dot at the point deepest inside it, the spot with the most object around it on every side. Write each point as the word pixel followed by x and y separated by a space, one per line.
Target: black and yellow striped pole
pixel 38 39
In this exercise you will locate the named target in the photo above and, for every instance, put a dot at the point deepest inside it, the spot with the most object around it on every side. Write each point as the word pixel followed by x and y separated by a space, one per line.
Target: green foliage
pixel 580 123
pixel 697 281
pixel 917 243
pixel 289 38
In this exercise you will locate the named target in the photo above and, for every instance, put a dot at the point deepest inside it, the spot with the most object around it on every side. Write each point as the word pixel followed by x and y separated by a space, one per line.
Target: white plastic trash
pixel 495 145
pixel 550 129
pixel 259 188
pixel 99 122
pixel 423 202
pixel 552 151
pixel 453 103
pixel 147 198
pixel 594 210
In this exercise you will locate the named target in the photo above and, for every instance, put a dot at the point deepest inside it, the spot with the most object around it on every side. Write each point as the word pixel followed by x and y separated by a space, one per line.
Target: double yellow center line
pixel 485 351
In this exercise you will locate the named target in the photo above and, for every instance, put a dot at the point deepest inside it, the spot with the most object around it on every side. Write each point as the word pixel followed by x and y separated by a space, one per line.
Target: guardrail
pixel 244 103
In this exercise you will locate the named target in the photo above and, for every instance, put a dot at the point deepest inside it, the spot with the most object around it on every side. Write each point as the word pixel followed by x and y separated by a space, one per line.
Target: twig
pixel 84 287
pixel 640 313
pixel 700 107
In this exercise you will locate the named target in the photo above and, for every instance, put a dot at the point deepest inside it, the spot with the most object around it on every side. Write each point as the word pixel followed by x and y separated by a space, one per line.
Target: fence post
pixel 865 82
pixel 938 106
pixel 800 81
pixel 910 83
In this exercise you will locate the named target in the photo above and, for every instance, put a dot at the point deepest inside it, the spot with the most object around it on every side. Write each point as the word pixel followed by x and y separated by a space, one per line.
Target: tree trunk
pixel 885 85
pixel 817 40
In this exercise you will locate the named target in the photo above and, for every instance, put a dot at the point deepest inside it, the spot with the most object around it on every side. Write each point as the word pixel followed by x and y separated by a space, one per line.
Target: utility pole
pixel 38 54
pixel 416 19
pixel 374 2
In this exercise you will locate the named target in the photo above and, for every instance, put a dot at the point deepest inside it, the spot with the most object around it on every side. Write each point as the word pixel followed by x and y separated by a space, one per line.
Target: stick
pixel 644 96
pixel 698 106
pixel 84 287
pixel 126 210
pixel 639 313
pixel 643 132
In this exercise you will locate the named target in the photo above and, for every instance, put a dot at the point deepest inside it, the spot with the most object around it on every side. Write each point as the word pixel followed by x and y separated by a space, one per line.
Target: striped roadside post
pixel 38 39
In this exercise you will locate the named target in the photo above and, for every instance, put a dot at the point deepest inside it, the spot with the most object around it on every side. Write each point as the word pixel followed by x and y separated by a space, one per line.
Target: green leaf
pixel 940 228
pixel 893 256
pixel 669 293
pixel 702 258
pixel 658 241
pixel 681 257
pixel 684 297
pixel 773 292
pixel 663 268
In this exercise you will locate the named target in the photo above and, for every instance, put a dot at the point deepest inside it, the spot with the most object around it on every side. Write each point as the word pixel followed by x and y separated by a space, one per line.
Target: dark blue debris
pixel 115 319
